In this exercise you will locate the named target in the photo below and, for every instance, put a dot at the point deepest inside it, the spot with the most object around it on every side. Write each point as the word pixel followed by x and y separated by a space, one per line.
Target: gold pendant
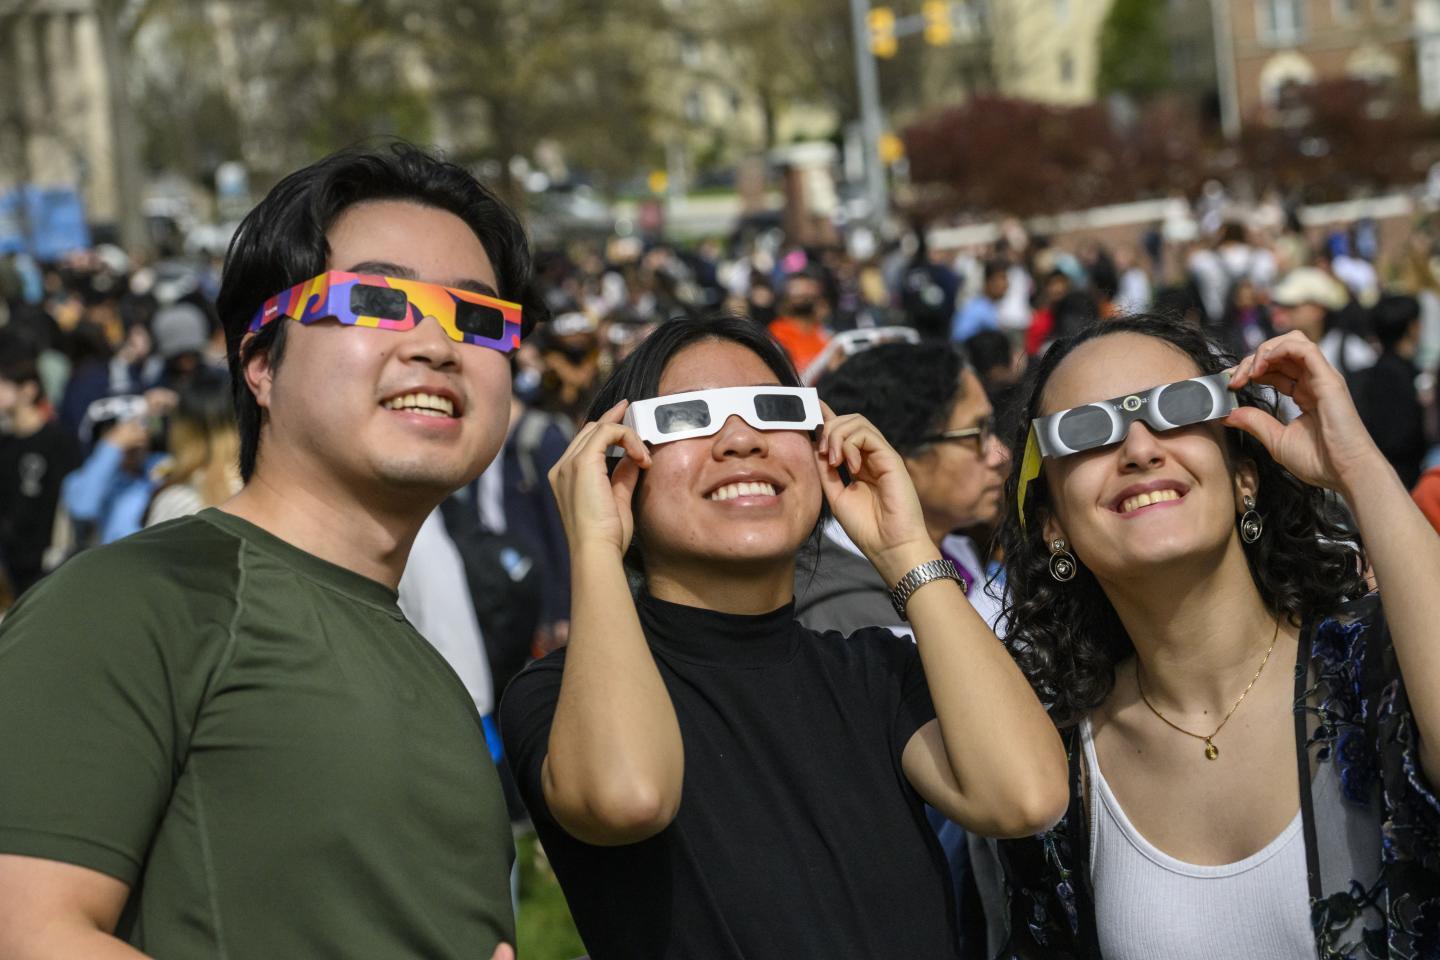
pixel 1211 751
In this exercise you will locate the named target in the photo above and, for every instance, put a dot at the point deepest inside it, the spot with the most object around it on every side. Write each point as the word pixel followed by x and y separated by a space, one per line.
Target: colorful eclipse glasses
pixel 701 413
pixel 392 303
pixel 1094 425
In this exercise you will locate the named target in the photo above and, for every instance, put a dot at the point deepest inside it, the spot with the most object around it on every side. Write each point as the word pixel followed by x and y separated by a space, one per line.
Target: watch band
pixel 925 573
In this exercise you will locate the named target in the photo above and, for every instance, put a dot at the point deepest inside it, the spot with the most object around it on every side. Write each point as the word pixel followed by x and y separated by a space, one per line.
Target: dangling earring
pixel 1062 561
pixel 1252 525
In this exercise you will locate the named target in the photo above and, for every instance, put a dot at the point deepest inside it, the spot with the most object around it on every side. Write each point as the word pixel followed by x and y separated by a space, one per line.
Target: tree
pixel 1134 50
pixel 271 82
pixel 1002 155
pixel 572 72
pixel 1324 145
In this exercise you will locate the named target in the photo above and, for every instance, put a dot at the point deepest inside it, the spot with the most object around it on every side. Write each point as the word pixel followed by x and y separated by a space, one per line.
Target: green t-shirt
pixel 259 744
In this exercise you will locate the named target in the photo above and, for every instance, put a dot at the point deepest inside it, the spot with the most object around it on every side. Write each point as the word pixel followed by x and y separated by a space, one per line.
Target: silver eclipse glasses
pixel 1166 407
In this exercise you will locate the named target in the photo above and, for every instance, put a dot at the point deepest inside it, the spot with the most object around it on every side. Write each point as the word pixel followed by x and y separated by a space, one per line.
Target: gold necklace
pixel 1211 751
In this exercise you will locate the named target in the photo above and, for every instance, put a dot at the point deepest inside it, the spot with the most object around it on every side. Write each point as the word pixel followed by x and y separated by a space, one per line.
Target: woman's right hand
pixel 595 504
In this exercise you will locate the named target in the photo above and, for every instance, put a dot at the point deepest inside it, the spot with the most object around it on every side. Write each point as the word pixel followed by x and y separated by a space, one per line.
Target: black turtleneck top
pixel 798 835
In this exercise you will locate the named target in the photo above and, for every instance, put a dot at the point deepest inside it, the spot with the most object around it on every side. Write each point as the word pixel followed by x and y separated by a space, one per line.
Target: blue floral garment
pixel 1353 722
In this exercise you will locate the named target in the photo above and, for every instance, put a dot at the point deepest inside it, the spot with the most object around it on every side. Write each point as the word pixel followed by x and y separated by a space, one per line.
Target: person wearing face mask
pixel 1252 736
pixel 222 738
pixel 710 778
pixel 800 327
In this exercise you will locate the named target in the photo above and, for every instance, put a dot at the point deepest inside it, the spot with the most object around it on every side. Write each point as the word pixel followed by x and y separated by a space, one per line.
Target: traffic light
pixel 939 26
pixel 882 32
pixel 892 149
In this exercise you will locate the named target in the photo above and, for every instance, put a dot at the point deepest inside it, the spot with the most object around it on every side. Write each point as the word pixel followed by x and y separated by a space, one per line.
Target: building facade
pixel 1047 50
pixel 55 110
pixel 1281 43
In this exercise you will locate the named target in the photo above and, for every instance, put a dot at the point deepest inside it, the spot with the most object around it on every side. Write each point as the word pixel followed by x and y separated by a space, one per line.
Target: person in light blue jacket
pixel 107 496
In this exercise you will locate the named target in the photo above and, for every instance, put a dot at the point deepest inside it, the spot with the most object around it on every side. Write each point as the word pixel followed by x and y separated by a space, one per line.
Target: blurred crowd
pixel 115 401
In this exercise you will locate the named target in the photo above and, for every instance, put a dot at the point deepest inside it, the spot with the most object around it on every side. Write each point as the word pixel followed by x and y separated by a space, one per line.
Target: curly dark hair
pixel 1067 637
pixel 907 390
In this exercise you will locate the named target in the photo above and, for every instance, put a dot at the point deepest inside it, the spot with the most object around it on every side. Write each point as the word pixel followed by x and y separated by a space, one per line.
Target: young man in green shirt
pixel 220 737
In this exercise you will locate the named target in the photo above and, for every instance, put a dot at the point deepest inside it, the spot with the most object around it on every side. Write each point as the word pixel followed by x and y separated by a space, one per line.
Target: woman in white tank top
pixel 1249 777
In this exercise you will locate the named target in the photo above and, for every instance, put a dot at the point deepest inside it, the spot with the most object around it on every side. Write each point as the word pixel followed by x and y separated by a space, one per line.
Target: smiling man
pixel 221 738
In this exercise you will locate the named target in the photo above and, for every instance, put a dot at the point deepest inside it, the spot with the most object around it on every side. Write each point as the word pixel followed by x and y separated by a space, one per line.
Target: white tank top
pixel 1149 904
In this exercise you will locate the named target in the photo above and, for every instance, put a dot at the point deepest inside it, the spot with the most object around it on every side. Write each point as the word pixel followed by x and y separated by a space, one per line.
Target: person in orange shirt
pixel 800 328
pixel 1427 496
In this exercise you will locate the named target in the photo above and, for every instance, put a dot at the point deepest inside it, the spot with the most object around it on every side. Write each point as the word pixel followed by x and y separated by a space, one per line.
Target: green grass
pixel 544 928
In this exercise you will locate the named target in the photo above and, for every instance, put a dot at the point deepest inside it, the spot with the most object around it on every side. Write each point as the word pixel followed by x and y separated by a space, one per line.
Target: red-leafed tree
pixel 1328 141
pixel 1332 139
pixel 1002 154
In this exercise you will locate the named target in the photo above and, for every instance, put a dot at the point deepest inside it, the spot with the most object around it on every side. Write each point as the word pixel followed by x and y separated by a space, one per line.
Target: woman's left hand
pixel 1328 445
pixel 879 509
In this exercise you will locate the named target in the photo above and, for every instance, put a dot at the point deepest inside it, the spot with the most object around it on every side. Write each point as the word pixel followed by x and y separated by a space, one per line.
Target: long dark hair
pixel 283 242
pixel 638 375
pixel 1067 637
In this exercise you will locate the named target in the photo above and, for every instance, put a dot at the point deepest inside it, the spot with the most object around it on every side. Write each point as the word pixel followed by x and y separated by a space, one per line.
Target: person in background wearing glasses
pixel 931 407
pixel 222 738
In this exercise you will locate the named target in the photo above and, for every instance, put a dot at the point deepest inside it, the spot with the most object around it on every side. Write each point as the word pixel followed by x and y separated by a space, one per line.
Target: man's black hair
pixel 810 273
pixel 1104 277
pixel 989 349
pixel 994 268
pixel 1392 317
pixel 1072 313
pixel 283 242
pixel 19 362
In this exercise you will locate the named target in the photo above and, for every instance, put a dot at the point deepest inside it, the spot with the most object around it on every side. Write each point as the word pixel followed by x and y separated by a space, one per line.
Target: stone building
pixel 55 102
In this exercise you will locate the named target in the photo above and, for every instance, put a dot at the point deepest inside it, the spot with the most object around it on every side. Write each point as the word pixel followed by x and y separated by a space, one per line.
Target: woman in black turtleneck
pixel 709 778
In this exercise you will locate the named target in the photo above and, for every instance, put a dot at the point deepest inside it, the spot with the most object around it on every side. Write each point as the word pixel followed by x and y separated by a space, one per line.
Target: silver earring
pixel 1062 561
pixel 1252 525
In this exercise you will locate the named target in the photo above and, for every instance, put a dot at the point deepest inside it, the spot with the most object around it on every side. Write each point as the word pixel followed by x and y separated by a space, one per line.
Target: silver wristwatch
pixel 917 578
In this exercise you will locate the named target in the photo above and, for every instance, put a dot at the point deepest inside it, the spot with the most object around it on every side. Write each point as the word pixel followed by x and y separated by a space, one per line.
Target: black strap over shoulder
pixel 1087 936
pixel 1302 760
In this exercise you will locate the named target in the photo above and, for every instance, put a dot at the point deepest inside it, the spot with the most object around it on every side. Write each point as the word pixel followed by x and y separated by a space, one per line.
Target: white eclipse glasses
pixel 701 413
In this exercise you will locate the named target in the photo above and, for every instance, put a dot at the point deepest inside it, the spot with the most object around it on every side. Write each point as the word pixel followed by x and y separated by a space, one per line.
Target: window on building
pixel 1387 8
pixel 1346 11
pixel 1067 68
pixel 690 52
pixel 694 107
pixel 1430 73
pixel 1282 22
pixel 1062 10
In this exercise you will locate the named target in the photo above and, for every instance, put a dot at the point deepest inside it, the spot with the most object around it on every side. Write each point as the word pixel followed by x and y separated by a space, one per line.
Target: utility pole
pixel 125 142
pixel 1225 69
pixel 870 121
